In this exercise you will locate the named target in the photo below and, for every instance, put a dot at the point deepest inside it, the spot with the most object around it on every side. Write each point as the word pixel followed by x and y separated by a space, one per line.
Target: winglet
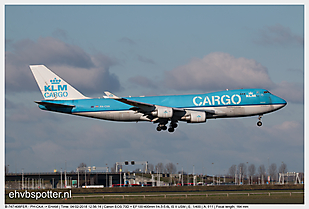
pixel 110 95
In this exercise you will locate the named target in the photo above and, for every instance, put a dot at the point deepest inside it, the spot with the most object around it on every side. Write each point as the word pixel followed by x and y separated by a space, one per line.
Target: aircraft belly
pixel 258 109
pixel 113 115
pixel 242 111
pixel 235 111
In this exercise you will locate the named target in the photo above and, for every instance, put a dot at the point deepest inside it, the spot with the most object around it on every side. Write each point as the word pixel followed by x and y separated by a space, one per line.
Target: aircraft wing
pixel 143 107
pixel 147 108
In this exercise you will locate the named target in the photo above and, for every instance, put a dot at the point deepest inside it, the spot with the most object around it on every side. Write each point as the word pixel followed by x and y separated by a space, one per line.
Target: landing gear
pixel 259 123
pixel 172 127
pixel 162 126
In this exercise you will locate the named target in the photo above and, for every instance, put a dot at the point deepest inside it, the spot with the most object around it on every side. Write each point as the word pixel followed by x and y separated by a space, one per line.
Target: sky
pixel 154 50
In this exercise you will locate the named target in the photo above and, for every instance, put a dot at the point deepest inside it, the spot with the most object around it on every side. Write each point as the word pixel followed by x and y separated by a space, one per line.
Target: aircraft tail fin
pixel 52 86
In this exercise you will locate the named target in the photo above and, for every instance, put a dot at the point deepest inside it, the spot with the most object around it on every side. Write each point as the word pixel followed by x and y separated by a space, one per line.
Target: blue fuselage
pixel 229 103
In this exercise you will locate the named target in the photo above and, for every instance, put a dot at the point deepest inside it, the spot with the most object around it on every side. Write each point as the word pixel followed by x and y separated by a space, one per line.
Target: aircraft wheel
pixel 164 128
pixel 174 125
pixel 159 128
pixel 171 130
pixel 259 123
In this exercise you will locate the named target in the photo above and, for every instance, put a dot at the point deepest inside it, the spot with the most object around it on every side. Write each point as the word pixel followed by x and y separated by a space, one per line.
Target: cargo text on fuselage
pixel 217 100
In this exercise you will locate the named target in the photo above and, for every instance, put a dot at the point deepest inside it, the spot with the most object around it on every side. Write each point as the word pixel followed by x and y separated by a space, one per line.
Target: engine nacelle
pixel 163 112
pixel 196 117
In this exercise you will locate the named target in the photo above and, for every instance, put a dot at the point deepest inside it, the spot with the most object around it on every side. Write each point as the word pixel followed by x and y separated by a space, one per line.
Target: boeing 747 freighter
pixel 59 96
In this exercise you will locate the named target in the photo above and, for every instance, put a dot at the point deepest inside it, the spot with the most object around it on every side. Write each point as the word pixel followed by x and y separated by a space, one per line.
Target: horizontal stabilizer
pixel 54 104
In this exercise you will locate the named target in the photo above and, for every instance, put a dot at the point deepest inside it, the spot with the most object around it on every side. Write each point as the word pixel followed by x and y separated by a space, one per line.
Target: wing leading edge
pixel 143 107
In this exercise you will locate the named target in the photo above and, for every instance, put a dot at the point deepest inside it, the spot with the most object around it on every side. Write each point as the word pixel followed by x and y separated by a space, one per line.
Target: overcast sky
pixel 154 50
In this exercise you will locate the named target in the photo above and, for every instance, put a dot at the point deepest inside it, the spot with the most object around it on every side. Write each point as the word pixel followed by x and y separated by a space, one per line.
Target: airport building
pixel 61 179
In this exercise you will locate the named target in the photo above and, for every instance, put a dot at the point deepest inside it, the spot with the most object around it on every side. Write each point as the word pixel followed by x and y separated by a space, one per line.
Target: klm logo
pixel 55 86
pixel 251 95
pixel 55 89
pixel 55 81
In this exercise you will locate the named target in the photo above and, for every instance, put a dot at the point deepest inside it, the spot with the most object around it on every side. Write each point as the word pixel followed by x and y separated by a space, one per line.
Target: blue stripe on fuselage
pixel 241 97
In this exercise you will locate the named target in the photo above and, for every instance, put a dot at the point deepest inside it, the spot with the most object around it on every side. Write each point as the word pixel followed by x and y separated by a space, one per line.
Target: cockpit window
pixel 266 92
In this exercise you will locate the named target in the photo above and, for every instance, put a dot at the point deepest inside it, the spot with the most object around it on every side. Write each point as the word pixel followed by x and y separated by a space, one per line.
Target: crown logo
pixel 55 81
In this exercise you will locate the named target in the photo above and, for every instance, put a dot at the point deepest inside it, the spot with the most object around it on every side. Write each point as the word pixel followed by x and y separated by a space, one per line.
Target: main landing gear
pixel 163 127
pixel 172 127
pixel 259 123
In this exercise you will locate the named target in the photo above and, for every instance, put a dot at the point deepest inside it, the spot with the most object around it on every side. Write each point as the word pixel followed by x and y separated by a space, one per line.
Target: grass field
pixel 185 195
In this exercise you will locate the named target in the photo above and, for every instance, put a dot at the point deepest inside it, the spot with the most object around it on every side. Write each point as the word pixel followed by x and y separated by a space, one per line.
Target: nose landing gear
pixel 259 123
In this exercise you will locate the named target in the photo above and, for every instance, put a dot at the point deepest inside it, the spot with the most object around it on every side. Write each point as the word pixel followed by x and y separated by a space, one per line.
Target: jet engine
pixel 163 112
pixel 195 117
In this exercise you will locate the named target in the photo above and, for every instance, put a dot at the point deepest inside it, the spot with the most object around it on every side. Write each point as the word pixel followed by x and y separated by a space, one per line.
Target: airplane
pixel 59 96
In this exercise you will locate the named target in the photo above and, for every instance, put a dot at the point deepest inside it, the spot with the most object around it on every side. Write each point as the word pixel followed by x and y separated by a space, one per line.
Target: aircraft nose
pixel 281 102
